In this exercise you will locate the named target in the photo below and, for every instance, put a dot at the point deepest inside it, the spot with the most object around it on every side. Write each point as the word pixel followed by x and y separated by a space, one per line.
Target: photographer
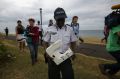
pixel 32 34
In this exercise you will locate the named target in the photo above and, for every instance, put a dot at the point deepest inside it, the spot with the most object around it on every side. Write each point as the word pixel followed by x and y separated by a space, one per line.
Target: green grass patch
pixel 21 68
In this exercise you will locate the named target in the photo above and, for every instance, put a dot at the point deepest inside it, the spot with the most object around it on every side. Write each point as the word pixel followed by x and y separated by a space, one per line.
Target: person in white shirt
pixel 50 23
pixel 63 32
pixel 76 27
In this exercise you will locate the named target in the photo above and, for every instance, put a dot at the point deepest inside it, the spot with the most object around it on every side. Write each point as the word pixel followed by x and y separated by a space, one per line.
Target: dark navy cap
pixel 59 13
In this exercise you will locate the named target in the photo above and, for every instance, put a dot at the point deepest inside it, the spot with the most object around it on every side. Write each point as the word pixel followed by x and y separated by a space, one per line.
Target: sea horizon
pixel 84 33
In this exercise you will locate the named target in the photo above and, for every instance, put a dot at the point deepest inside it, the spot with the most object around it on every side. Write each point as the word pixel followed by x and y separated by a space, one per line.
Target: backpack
pixel 112 20
pixel 74 28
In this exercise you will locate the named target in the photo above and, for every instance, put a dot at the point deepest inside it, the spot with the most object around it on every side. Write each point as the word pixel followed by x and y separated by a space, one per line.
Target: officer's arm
pixel 47 37
pixel 46 45
pixel 73 46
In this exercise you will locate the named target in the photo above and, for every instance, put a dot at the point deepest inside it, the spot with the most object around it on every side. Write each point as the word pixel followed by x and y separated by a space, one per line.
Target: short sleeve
pixel 116 29
pixel 47 37
pixel 73 37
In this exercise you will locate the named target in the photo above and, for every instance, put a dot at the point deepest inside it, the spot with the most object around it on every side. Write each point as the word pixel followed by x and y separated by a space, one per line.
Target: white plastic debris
pixel 53 52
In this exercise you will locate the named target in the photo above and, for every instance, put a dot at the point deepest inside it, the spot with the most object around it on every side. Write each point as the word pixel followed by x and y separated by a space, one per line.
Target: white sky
pixel 91 12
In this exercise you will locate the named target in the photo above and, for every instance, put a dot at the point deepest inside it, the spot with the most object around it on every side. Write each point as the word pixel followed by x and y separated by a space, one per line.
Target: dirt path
pixel 94 50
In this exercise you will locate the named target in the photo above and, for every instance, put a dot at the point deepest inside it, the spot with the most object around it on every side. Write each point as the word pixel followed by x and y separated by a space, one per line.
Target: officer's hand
pixel 31 34
pixel 46 59
pixel 73 57
pixel 47 56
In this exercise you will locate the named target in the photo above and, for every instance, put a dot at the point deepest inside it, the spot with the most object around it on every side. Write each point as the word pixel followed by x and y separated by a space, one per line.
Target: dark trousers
pixel 114 68
pixel 33 47
pixel 62 71
pixel 6 33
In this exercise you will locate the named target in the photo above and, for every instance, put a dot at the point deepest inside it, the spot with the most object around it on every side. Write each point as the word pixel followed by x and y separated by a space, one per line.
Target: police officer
pixel 63 32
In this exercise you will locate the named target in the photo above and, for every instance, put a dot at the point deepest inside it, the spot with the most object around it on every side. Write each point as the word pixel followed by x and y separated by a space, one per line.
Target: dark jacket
pixel 32 38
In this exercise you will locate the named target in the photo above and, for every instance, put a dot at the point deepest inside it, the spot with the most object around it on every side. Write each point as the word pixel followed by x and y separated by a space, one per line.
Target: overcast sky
pixel 91 12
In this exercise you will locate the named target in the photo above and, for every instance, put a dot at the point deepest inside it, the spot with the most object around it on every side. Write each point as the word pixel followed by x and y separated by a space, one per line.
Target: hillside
pixel 85 67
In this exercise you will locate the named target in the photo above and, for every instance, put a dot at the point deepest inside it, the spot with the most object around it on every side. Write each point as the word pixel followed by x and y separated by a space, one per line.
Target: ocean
pixel 83 33
pixel 91 33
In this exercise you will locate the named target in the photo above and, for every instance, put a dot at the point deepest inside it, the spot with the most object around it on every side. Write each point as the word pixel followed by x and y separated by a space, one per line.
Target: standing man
pixel 50 23
pixel 6 31
pixel 75 26
pixel 32 34
pixel 60 31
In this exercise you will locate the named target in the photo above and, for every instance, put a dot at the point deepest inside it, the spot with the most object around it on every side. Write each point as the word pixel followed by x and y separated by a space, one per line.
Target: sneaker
pixel 102 69
pixel 106 72
pixel 109 75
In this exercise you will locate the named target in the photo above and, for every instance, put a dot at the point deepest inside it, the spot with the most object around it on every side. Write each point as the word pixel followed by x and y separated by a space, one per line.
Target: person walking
pixel 76 28
pixel 32 38
pixel 20 35
pixel 113 47
pixel 63 32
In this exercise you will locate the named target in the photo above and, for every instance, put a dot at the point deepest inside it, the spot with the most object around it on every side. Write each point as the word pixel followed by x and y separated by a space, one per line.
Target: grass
pixel 85 67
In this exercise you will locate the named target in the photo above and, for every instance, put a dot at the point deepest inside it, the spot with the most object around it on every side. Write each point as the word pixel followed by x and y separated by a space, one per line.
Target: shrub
pixel 5 55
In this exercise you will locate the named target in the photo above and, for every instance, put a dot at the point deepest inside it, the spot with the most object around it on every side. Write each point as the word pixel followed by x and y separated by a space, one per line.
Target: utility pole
pixel 41 24
pixel 41 17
